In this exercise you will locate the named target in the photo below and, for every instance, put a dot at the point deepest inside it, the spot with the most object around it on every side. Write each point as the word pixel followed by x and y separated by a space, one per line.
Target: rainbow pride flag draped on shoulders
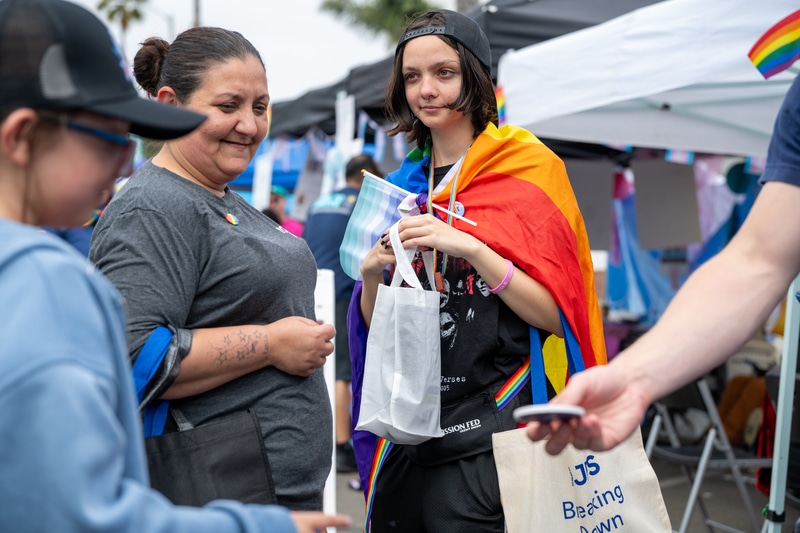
pixel 518 192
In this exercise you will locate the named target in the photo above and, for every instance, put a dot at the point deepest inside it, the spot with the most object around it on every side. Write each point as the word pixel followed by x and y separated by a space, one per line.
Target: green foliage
pixel 122 11
pixel 380 17
pixel 151 147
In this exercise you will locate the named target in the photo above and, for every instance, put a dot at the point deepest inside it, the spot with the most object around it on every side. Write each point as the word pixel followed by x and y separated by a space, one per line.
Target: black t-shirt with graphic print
pixel 483 341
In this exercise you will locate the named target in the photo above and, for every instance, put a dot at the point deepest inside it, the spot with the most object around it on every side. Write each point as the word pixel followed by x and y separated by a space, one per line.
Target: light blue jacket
pixel 71 447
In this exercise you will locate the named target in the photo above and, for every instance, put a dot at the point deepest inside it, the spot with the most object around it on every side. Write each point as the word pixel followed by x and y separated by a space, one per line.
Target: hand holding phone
pixel 546 412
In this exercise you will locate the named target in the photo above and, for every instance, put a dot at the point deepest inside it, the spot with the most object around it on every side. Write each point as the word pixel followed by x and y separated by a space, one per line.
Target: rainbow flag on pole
pixel 778 48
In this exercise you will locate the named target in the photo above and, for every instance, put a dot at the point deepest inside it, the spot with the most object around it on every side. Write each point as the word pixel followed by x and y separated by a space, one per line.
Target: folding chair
pixel 715 453
pixel 793 472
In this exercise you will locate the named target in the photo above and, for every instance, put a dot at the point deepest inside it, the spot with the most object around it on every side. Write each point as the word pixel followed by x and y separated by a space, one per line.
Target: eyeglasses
pixel 129 146
pixel 125 165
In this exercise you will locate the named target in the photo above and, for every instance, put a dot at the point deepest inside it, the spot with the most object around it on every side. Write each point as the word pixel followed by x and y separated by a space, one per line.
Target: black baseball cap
pixel 461 28
pixel 57 55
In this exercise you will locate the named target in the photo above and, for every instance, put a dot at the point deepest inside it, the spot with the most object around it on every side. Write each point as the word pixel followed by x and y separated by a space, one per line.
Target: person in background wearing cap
pixel 522 275
pixel 324 231
pixel 72 452
pixel 278 198
pixel 236 290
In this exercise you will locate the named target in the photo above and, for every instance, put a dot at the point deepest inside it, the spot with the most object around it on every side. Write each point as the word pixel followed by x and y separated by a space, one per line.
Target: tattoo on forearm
pixel 245 346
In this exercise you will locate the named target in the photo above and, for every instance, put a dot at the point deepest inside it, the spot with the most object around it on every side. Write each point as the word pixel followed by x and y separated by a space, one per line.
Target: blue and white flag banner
pixel 375 212
pixel 685 157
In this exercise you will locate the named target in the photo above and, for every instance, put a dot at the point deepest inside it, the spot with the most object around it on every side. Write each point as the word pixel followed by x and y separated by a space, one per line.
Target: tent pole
pixel 775 513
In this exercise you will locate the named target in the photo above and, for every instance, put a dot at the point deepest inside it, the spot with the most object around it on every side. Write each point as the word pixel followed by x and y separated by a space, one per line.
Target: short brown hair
pixel 477 96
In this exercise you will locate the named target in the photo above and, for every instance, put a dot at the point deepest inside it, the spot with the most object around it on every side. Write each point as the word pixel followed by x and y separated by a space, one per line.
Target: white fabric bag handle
pixel 403 256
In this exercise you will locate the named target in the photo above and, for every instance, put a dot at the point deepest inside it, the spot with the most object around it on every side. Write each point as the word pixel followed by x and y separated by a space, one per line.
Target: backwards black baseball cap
pixel 57 55
pixel 461 28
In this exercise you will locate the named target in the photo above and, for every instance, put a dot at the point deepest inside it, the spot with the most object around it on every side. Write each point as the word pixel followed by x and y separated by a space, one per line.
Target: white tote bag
pixel 400 395
pixel 578 490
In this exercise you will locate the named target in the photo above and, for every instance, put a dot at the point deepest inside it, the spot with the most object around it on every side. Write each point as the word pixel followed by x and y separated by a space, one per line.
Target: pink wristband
pixel 503 284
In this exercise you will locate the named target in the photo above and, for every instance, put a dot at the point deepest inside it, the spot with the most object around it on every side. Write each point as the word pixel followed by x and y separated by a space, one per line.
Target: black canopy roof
pixel 508 24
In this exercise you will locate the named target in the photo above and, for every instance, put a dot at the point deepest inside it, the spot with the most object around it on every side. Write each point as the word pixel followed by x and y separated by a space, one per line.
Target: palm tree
pixel 196 13
pixel 464 6
pixel 380 17
pixel 124 11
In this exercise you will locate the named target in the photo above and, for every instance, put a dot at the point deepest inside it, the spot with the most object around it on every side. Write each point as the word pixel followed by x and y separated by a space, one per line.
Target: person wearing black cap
pixel 235 289
pixel 72 452
pixel 513 266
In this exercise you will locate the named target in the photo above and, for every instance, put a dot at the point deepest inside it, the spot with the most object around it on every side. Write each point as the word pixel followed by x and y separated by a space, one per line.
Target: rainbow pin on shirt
pixel 232 219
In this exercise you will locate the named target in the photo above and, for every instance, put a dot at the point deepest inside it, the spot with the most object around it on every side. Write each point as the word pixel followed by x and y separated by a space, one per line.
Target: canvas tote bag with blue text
pixel 578 491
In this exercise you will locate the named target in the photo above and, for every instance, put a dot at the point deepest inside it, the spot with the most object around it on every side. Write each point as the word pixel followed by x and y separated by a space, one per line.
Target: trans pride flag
pixel 375 212
pixel 778 48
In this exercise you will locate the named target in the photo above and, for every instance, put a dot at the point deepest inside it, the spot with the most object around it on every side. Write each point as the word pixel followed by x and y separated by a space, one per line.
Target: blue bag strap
pixel 150 358
pixel 143 370
pixel 574 359
pixel 155 418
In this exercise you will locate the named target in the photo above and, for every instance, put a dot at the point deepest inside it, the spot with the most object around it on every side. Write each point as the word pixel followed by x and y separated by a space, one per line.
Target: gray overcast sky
pixel 302 48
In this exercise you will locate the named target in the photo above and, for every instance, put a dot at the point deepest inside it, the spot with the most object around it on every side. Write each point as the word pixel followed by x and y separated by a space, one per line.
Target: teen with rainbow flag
pixel 521 278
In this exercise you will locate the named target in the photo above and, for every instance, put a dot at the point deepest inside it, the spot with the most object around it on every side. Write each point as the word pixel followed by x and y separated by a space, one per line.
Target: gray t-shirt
pixel 171 249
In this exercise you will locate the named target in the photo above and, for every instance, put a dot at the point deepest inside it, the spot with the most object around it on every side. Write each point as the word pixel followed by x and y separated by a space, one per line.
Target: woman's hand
pixel 428 232
pixel 298 345
pixel 295 344
pixel 424 231
pixel 376 260
pixel 528 298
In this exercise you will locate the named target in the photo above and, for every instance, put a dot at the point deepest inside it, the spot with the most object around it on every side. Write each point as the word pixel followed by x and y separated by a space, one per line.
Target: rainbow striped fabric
pixel 501 105
pixel 778 48
pixel 382 449
pixel 511 388
pixel 519 194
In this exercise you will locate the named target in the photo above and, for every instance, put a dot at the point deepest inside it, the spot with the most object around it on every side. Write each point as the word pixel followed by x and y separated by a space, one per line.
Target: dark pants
pixel 343 371
pixel 454 497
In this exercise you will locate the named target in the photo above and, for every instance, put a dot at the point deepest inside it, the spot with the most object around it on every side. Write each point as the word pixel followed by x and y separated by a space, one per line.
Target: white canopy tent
pixel 673 75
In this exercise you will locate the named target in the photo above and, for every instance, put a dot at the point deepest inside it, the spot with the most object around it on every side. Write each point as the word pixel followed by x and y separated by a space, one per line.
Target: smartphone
pixel 546 412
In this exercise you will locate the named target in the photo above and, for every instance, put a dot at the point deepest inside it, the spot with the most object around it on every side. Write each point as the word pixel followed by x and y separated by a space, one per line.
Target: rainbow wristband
pixel 503 284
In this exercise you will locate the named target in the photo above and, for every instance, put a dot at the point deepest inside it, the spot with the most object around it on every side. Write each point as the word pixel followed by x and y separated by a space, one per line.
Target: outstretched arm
pixel 717 310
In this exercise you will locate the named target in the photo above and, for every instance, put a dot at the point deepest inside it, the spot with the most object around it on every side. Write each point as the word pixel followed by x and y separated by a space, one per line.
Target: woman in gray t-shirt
pixel 236 289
